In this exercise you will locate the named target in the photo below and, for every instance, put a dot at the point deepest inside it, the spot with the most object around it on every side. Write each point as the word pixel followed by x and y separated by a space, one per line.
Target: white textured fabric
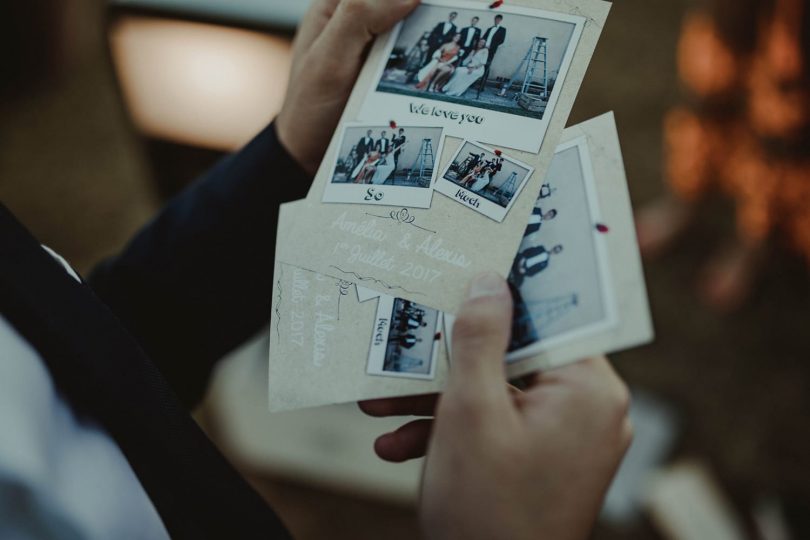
pixel 60 476
pixel 466 76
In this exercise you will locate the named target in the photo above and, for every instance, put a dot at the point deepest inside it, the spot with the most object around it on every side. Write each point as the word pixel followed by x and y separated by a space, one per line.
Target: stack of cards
pixel 450 161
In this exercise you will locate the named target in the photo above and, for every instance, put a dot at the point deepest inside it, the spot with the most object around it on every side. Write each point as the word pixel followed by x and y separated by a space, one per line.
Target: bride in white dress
pixel 483 180
pixel 470 71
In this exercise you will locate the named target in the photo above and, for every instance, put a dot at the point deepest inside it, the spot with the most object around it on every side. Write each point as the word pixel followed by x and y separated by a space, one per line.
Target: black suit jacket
pixel 497 40
pixel 522 260
pixel 476 32
pixel 439 37
pixel 363 148
pixel 383 145
pixel 135 347
pixel 397 143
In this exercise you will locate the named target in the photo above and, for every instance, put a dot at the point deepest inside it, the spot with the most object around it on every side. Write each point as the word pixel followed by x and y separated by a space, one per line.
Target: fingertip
pixel 421 405
pixel 387 448
pixel 370 408
pixel 488 285
pixel 408 442
pixel 392 13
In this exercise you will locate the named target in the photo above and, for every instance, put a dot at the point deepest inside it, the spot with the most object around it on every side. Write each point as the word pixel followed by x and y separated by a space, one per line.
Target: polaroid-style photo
pixel 560 278
pixel 484 180
pixel 405 342
pixel 487 75
pixel 385 166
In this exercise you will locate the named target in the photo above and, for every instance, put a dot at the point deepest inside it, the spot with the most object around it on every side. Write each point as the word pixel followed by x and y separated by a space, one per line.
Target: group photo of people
pixel 558 274
pixel 487 173
pixel 500 61
pixel 401 156
pixel 411 339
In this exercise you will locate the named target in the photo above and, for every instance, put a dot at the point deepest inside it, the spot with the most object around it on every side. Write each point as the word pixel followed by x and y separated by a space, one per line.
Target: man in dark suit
pixel 537 219
pixel 494 36
pixel 398 142
pixel 497 165
pixel 441 34
pixel 365 145
pixel 383 144
pixel 105 372
pixel 530 262
pixel 469 37
pixel 469 164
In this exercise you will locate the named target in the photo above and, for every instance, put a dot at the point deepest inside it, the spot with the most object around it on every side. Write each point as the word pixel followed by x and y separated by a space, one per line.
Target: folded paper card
pixel 576 280
pixel 443 147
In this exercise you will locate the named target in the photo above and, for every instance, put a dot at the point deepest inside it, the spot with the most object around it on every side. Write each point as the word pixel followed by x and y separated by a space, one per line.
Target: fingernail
pixel 490 284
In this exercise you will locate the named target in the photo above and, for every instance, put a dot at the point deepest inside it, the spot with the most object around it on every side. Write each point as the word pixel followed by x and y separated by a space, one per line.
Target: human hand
pixel 504 463
pixel 411 440
pixel 328 52
pixel 511 464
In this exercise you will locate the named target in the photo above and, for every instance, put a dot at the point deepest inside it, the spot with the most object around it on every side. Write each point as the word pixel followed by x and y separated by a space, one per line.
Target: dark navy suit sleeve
pixel 197 281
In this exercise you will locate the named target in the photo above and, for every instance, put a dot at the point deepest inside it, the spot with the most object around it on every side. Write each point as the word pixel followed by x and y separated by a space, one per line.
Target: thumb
pixel 356 22
pixel 480 339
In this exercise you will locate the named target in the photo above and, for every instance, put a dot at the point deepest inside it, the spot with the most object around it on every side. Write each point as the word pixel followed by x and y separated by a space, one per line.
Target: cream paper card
pixel 413 213
pixel 577 275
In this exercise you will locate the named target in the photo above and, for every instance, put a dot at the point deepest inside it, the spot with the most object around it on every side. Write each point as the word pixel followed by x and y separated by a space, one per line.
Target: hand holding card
pixel 576 279
pixel 482 425
pixel 322 80
pixel 513 90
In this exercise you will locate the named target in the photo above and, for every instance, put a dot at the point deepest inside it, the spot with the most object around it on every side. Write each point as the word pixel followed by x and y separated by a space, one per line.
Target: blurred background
pixel 109 108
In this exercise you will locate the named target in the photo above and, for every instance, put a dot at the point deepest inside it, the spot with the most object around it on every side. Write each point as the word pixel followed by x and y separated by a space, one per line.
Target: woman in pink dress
pixel 442 62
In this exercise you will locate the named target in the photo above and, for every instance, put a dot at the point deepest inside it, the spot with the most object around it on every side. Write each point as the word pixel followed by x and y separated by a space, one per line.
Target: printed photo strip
pixel 405 341
pixel 489 75
pixel 384 165
pixel 560 278
pixel 483 179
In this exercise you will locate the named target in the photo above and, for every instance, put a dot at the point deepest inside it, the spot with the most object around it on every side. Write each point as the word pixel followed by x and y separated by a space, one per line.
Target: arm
pixel 197 281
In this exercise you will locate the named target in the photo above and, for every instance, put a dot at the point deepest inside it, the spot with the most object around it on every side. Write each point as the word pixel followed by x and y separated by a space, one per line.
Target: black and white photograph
pixel 560 277
pixel 384 165
pixel 491 75
pixel 405 341
pixel 484 179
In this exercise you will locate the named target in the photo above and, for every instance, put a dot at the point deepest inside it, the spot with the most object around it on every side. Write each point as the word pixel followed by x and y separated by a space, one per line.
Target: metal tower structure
pixel 508 188
pixel 545 312
pixel 534 64
pixel 425 162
